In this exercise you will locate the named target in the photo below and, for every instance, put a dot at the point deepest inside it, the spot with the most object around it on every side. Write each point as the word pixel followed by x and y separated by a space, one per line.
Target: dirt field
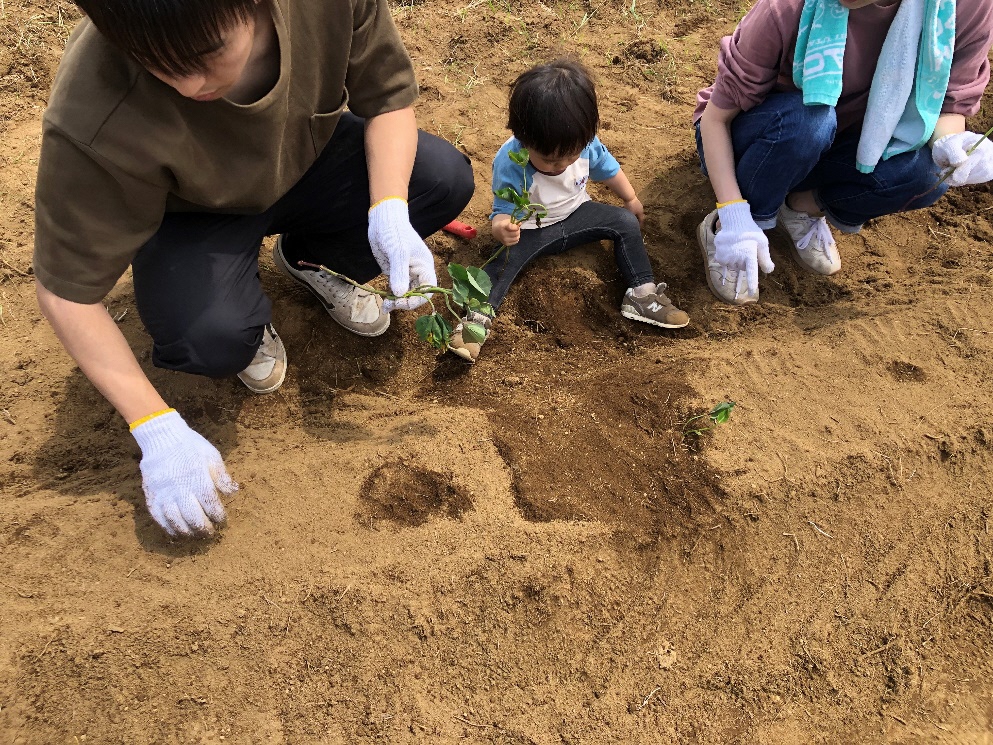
pixel 530 550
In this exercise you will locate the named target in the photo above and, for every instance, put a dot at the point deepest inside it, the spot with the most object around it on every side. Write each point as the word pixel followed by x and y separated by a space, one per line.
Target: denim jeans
pixel 783 146
pixel 592 221
pixel 196 281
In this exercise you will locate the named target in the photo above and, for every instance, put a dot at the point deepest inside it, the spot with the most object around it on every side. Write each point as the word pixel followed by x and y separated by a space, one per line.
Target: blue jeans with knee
pixel 782 146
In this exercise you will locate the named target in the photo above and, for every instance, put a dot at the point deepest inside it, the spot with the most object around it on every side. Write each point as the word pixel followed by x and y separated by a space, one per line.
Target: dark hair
pixel 553 108
pixel 171 36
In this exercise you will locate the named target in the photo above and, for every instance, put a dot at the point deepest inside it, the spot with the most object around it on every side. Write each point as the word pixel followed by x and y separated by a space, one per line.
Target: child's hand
pixel 636 208
pixel 506 232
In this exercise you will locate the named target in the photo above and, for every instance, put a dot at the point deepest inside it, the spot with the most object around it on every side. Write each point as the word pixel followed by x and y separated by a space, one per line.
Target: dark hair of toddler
pixel 553 108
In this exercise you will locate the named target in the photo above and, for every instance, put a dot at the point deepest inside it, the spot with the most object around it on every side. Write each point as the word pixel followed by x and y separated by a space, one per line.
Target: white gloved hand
pixel 181 474
pixel 401 253
pixel 950 152
pixel 741 245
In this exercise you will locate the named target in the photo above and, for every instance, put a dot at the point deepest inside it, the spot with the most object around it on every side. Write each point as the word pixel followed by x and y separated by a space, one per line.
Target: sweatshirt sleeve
pixel 750 60
pixel 603 165
pixel 380 75
pixel 90 219
pixel 970 72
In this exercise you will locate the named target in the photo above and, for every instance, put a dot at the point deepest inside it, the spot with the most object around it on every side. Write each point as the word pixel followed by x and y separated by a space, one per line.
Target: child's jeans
pixel 783 146
pixel 592 221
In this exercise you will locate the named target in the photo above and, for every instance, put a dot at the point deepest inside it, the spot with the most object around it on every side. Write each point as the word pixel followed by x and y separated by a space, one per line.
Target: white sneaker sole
pixel 643 319
pixel 251 385
pixel 274 387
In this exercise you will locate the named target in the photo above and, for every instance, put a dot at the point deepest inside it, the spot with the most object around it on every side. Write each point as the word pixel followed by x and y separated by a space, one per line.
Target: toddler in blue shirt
pixel 554 117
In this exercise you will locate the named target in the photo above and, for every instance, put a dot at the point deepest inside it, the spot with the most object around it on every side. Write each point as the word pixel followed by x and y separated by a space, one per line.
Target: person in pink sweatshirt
pixel 774 158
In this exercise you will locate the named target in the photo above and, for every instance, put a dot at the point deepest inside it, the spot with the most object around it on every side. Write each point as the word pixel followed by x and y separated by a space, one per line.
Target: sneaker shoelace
pixel 338 290
pixel 818 236
pixel 268 348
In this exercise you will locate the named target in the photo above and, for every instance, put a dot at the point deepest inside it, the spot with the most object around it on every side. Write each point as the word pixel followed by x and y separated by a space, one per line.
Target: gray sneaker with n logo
pixel 654 308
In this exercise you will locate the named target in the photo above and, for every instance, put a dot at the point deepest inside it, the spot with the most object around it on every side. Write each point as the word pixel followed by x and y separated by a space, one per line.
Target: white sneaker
pixel 268 369
pixel 728 285
pixel 811 241
pixel 358 311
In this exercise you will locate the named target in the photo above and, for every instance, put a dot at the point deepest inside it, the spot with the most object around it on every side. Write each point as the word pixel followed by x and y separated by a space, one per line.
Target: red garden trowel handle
pixel 460 229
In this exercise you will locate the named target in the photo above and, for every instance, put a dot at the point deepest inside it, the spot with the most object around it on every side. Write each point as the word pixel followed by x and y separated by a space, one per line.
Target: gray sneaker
pixel 358 311
pixel 728 285
pixel 469 350
pixel 811 241
pixel 268 369
pixel 656 309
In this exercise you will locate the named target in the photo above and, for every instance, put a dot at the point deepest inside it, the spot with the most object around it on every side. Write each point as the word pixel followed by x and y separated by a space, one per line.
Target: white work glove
pixel 181 473
pixel 741 245
pixel 401 253
pixel 967 168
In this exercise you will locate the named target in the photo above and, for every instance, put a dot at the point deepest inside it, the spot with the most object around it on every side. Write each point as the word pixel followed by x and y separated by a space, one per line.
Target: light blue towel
pixel 910 80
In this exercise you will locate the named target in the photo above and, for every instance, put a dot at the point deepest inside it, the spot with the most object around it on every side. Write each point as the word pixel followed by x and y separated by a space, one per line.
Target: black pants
pixel 592 221
pixel 197 282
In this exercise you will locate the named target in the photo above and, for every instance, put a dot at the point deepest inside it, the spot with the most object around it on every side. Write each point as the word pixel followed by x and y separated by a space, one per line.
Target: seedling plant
pixel 717 415
pixel 471 285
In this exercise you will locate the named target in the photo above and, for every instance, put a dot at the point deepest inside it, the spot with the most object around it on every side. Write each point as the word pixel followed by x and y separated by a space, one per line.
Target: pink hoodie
pixel 758 58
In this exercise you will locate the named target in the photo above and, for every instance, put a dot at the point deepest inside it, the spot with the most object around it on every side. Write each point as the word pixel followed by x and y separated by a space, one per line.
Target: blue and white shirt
pixel 560 194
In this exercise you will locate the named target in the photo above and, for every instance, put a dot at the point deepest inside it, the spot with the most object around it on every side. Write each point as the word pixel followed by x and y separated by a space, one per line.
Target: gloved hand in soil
pixel 968 168
pixel 181 475
pixel 401 253
pixel 741 245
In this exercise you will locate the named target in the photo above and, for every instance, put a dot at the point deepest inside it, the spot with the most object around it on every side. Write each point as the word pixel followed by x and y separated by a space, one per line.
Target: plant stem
pixel 950 171
pixel 946 174
pixel 496 253
pixel 419 291
pixel 448 302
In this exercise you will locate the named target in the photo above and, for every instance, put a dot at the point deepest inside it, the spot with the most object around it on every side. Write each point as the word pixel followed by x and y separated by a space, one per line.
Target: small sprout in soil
pixel 470 284
pixel 717 415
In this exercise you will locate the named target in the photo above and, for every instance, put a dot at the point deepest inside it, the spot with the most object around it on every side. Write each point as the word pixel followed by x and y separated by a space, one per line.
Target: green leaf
pixel 722 412
pixel 435 330
pixel 479 279
pixel 461 284
pixel 445 332
pixel 520 157
pixel 508 194
pixel 425 327
pixel 474 332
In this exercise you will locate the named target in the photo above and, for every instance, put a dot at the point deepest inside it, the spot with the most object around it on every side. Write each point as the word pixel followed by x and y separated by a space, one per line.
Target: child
pixel 553 113
pixel 836 111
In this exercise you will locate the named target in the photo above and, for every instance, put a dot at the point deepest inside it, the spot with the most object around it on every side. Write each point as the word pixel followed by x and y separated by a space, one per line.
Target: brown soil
pixel 530 550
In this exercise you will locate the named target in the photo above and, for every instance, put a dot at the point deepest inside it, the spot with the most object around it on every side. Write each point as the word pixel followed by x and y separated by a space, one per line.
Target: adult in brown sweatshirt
pixel 180 133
